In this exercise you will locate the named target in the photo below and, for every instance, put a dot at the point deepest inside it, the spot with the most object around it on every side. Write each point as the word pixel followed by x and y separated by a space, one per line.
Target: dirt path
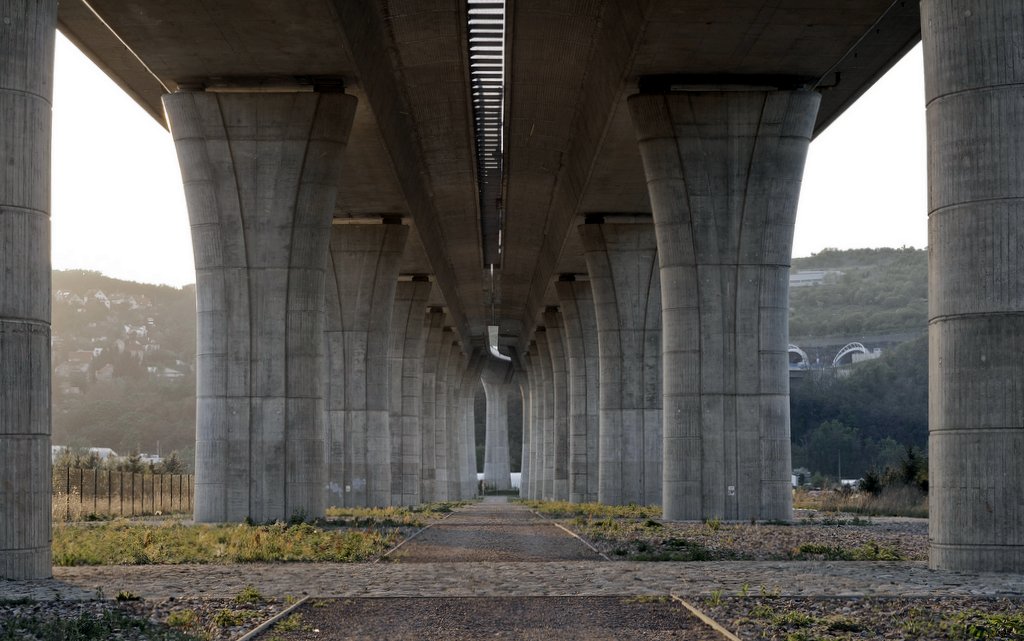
pixel 493 530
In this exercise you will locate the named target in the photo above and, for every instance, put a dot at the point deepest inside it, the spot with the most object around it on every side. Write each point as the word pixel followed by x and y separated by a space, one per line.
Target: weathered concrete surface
pixel 522 380
pixel 362 272
pixel 434 328
pixel 531 409
pixel 577 305
pixel 724 171
pixel 453 420
pixel 546 433
pixel 405 368
pixel 623 264
pixel 26 93
pixel 260 173
pixel 464 425
pixel 975 92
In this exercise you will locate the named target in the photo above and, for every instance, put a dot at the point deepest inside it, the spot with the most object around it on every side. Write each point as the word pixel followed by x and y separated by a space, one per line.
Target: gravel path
pixel 496 531
pixel 526 618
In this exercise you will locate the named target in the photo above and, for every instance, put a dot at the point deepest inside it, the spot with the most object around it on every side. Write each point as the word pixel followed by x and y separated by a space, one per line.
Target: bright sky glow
pixel 119 208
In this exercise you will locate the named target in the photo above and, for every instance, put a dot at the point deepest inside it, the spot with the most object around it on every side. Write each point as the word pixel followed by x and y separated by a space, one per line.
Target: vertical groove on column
pixel 546 442
pixel 523 381
pixel 453 380
pixel 974 85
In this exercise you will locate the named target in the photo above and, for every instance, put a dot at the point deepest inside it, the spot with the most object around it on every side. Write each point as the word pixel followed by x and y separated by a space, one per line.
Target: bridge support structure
pixel 580 323
pixel 622 258
pixel 974 87
pixel 534 426
pixel 260 172
pixel 405 363
pixel 497 380
pixel 362 273
pixel 435 361
pixel 560 394
pixel 26 94
pixel 723 172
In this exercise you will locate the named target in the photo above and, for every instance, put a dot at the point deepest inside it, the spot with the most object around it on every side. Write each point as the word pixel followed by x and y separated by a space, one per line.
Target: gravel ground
pixel 827 619
pixel 811 537
pixel 527 618
pixel 493 531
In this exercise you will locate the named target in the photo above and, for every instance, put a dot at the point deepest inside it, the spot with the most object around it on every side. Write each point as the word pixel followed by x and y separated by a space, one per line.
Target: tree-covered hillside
pixel 866 291
pixel 123 364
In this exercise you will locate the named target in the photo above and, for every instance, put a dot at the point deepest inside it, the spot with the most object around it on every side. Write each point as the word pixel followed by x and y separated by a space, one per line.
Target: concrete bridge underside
pixel 351 257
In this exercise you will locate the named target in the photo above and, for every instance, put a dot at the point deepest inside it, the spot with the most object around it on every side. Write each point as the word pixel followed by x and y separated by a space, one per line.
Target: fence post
pixel 67 493
pixel 161 493
pixel 110 493
pixel 133 493
pixel 120 495
pixel 95 486
pixel 81 489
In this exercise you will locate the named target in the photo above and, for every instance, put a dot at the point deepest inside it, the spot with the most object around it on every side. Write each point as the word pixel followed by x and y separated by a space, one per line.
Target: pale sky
pixel 118 205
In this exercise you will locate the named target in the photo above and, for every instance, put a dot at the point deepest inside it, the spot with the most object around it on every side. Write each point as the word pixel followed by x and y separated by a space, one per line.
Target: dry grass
pixel 901 501
pixel 564 509
pixel 124 543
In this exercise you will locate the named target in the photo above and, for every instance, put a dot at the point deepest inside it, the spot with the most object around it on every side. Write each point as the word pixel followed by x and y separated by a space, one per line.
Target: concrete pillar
pixel 535 458
pixel 560 394
pixel 453 419
pixel 405 368
pixel 527 383
pixel 545 450
pixel 974 85
pixel 469 384
pixel 432 362
pixel 622 261
pixel 260 173
pixel 26 91
pixel 361 278
pixel 577 304
pixel 723 171
pixel 498 387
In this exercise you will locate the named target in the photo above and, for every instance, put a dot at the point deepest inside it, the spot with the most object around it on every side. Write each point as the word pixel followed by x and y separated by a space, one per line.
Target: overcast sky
pixel 118 205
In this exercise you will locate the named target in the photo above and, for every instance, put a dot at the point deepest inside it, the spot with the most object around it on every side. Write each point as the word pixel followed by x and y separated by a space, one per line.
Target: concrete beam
pixel 26 93
pixel 723 171
pixel 362 272
pixel 974 85
pixel 405 367
pixel 260 173
pixel 577 304
pixel 623 264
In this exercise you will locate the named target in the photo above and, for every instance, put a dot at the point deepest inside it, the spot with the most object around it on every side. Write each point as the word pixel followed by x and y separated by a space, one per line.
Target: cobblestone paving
pixel 505 578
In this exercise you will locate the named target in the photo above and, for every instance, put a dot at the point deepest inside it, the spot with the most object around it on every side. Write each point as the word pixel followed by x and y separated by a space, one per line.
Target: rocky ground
pixel 501 570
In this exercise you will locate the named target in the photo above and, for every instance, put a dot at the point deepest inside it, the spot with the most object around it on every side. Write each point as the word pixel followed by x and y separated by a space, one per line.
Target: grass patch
pixel 893 501
pixel 87 627
pixel 124 543
pixel 417 516
pixel 867 552
pixel 564 509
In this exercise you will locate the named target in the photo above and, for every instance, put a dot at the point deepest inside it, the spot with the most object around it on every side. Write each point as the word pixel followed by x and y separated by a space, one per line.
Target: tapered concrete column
pixel 622 261
pixel 361 278
pixel 260 173
pixel 545 457
pixel 469 382
pixel 580 320
pixel 523 382
pixel 453 432
pixel 536 457
pixel 527 480
pixel 405 368
pixel 432 363
pixel 26 90
pixel 974 84
pixel 496 379
pixel 723 171
pixel 560 393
